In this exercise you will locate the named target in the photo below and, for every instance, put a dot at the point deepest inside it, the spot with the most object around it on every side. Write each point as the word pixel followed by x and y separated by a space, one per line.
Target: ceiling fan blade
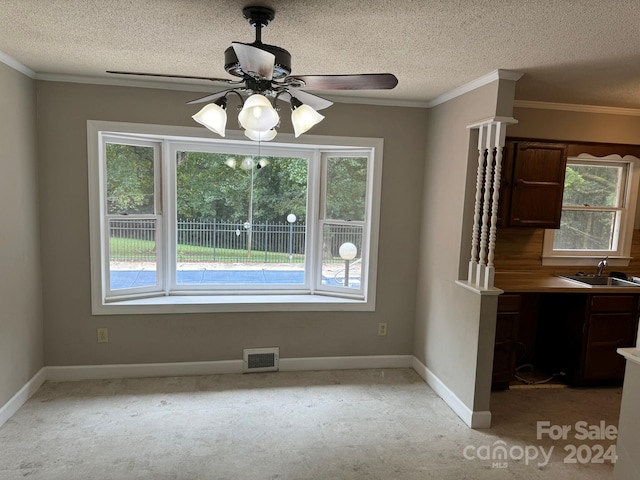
pixel 209 98
pixel 314 101
pixel 364 81
pixel 254 60
pixel 166 75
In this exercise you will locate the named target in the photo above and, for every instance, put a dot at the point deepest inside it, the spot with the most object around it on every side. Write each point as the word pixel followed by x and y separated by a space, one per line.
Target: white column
pixel 491 136
pixel 473 262
pixel 486 207
pixel 500 133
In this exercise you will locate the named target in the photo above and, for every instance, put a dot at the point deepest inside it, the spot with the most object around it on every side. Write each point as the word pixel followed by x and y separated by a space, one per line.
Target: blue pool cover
pixel 143 278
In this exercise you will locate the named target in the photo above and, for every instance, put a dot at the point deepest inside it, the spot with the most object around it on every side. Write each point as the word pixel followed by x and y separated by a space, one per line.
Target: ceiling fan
pixel 265 71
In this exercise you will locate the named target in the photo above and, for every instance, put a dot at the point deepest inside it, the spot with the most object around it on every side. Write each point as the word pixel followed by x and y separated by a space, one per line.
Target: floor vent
pixel 260 360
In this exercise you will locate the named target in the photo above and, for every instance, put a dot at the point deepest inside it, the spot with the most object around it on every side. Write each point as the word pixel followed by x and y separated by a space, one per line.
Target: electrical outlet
pixel 103 335
pixel 382 329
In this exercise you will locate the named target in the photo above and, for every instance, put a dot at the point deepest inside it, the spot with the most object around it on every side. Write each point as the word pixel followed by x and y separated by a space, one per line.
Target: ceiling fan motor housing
pixel 259 17
pixel 281 69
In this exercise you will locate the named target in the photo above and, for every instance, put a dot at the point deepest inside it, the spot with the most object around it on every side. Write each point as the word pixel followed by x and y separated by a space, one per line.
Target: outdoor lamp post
pixel 248 164
pixel 251 165
pixel 348 252
pixel 291 218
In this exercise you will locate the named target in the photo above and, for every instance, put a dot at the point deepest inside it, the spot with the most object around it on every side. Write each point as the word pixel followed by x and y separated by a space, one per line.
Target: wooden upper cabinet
pixel 532 184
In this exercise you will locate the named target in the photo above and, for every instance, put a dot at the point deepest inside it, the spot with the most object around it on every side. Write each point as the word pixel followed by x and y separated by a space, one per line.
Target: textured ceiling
pixel 571 51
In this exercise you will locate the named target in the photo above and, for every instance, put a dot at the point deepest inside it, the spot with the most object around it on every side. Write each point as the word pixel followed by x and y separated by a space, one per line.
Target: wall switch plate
pixel 382 329
pixel 103 335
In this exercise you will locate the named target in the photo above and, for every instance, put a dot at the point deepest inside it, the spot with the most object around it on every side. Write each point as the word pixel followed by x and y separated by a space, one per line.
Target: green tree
pixel 130 179
pixel 346 188
pixel 595 188
pixel 207 188
pixel 219 186
pixel 280 188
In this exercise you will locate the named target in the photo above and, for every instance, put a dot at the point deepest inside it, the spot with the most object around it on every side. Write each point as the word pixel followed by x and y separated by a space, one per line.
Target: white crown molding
pixel 126 82
pixel 383 102
pixel 207 87
pixel 477 83
pixel 16 65
pixel 571 107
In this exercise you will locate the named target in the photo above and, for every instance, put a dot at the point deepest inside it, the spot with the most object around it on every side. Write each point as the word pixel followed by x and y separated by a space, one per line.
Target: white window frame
pixel 266 150
pixel 620 255
pixel 167 296
pixel 156 215
pixel 323 220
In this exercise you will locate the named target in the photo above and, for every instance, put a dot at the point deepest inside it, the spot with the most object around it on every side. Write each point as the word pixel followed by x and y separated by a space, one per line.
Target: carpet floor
pixel 349 424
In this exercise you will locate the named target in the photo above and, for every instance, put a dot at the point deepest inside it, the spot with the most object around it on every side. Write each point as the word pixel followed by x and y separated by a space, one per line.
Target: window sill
pixel 231 303
pixel 587 261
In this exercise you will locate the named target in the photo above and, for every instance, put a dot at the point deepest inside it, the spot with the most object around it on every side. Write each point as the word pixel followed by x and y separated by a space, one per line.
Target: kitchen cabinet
pixel 611 324
pixel 515 335
pixel 532 180
pixel 504 353
pixel 532 184
pixel 579 335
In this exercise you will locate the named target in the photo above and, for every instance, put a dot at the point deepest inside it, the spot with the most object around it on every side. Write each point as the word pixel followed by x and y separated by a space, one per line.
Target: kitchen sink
pixel 600 281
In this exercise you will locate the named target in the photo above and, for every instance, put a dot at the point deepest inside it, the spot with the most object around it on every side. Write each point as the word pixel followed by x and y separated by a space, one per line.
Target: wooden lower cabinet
pixel 611 324
pixel 515 335
pixel 579 335
pixel 504 353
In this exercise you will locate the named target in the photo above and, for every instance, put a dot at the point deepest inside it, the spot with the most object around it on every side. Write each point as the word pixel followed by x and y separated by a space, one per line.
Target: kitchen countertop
pixel 545 282
pixel 631 354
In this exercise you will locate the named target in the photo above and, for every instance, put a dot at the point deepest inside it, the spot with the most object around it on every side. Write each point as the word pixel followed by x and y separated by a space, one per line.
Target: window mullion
pixel 169 217
pixel 312 244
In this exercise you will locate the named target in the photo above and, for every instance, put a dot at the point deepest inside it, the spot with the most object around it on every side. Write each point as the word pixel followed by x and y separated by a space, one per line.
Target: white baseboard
pixel 98 372
pixel 29 388
pixel 345 363
pixel 475 420
pixel 138 370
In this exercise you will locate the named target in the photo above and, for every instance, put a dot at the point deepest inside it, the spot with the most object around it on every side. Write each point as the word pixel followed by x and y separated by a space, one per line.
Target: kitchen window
pixel 598 212
pixel 183 222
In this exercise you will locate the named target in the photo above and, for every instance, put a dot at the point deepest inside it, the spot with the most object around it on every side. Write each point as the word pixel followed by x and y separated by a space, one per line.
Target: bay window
pixel 184 222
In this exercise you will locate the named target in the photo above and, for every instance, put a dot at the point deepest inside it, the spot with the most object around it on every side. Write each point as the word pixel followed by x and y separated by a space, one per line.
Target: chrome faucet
pixel 602 264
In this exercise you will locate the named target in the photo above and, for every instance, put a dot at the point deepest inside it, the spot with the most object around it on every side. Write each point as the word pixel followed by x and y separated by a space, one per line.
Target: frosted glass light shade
pixel 258 114
pixel 261 136
pixel 212 116
pixel 348 251
pixel 303 118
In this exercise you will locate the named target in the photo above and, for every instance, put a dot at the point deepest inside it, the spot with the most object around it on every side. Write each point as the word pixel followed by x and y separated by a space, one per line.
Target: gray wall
pixel 578 126
pixel 70 329
pixel 449 317
pixel 21 351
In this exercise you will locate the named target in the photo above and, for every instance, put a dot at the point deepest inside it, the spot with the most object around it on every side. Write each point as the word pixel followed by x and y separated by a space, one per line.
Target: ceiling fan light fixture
pixel 213 116
pixel 266 70
pixel 303 117
pixel 261 136
pixel 258 114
